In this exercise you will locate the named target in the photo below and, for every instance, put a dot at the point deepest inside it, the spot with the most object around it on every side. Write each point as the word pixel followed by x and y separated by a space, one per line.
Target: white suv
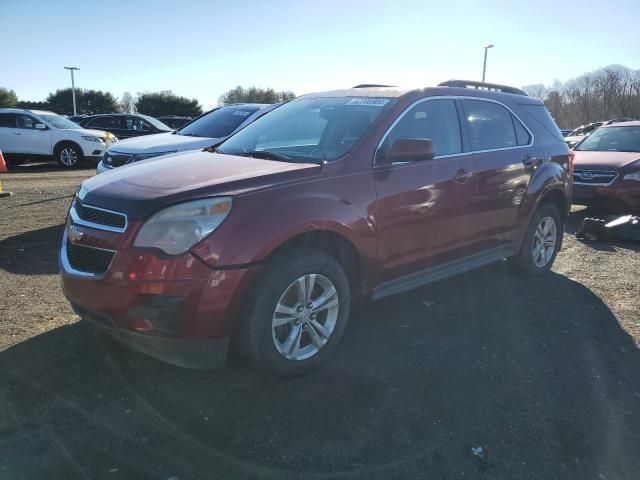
pixel 28 134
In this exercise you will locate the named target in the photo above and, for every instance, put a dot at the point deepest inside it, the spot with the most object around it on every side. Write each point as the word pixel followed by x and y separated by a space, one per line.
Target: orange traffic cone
pixel 3 169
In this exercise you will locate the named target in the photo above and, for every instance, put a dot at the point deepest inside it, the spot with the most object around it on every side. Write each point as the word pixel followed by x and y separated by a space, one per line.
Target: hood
pixel 604 160
pixel 143 187
pixel 162 142
pixel 87 131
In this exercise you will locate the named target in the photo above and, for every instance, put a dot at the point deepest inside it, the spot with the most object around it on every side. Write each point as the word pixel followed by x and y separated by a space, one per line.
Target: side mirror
pixel 410 150
pixel 40 126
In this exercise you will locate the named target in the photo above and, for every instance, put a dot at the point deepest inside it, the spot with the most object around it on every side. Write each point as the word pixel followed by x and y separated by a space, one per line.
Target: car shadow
pixel 32 253
pixel 573 225
pixel 45 166
pixel 536 376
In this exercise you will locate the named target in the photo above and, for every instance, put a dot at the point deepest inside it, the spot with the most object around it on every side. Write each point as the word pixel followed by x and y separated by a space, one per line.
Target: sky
pixel 203 48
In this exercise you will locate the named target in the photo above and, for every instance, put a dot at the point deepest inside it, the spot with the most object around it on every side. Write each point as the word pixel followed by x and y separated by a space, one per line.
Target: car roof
pixel 629 123
pixel 418 93
pixel 26 110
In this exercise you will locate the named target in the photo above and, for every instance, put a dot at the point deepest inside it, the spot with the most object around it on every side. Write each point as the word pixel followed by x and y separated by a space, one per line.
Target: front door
pixel 32 140
pixel 423 208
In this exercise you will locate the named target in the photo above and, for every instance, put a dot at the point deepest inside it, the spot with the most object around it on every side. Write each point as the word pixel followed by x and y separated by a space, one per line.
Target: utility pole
pixel 484 66
pixel 73 87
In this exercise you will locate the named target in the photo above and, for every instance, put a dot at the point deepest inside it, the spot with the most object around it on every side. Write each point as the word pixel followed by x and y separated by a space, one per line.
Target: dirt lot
pixel 542 375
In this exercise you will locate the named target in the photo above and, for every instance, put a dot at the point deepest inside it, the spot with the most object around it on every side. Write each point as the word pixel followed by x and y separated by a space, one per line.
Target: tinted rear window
pixel 490 125
pixel 541 115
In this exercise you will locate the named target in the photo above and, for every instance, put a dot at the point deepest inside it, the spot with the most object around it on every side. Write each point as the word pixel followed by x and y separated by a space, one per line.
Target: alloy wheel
pixel 68 157
pixel 305 317
pixel 545 241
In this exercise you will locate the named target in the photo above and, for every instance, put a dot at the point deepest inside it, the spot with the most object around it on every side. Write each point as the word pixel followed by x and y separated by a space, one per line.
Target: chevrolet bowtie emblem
pixel 74 233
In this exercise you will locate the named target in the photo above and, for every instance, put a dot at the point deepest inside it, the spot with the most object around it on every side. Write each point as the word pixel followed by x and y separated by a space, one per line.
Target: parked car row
pixel 574 136
pixel 206 131
pixel 26 134
pixel 66 140
pixel 268 239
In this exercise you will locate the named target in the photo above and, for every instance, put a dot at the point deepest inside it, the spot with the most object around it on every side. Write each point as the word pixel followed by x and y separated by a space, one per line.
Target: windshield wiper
pixel 266 155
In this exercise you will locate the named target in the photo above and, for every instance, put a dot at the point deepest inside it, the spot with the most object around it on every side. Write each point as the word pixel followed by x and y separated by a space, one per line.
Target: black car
pixel 77 118
pixel 124 125
pixel 175 121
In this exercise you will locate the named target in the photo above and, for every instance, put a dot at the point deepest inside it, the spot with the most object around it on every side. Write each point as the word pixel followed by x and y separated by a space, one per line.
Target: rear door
pixel 423 207
pixel 505 159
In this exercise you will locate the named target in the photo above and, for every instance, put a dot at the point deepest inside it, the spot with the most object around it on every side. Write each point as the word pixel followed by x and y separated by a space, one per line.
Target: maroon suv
pixel 328 200
pixel 607 168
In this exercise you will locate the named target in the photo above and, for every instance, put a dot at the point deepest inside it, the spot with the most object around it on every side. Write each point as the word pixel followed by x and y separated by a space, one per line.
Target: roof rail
pixel 482 86
pixel 371 85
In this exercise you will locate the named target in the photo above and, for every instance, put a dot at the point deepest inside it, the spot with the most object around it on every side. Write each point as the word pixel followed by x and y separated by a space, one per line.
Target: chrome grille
pixel 593 177
pixel 112 159
pixel 96 217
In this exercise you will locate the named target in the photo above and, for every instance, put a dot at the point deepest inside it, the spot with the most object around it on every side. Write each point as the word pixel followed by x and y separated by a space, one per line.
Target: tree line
pixel 149 103
pixel 604 94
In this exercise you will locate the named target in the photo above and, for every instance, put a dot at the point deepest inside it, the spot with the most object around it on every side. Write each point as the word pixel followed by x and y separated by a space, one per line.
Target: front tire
pixel 541 243
pixel 69 155
pixel 298 313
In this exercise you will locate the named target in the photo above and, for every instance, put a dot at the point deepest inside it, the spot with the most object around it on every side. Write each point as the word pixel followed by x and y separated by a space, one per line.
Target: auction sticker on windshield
pixel 374 102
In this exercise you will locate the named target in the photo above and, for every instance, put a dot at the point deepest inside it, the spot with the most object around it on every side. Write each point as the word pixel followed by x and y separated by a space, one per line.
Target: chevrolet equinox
pixel 333 198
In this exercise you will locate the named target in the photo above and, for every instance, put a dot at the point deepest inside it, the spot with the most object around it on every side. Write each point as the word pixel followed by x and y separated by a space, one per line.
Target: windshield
pixel 309 129
pixel 59 122
pixel 612 139
pixel 156 123
pixel 219 123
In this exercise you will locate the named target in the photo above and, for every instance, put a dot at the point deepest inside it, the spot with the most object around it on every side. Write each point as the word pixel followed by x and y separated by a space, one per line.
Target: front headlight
pixel 91 138
pixel 176 229
pixel 144 156
pixel 632 176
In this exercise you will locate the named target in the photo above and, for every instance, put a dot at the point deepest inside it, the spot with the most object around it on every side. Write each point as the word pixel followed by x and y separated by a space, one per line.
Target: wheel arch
pixel 558 199
pixel 336 246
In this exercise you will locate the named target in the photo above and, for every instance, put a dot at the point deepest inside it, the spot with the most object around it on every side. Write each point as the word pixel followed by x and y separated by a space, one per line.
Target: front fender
pixel 261 222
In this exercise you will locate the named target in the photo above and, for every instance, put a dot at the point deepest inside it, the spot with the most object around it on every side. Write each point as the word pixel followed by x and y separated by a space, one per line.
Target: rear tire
pixel 541 242
pixel 286 330
pixel 68 155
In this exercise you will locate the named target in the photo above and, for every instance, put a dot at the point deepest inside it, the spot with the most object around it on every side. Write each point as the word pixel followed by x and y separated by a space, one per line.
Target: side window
pixel 490 125
pixel 101 122
pixel 522 136
pixel 146 126
pixel 7 120
pixel 137 124
pixel 25 121
pixel 436 120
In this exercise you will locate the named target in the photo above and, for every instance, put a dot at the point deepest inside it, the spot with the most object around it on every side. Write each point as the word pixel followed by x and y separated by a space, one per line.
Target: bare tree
pixel 127 103
pixel 607 93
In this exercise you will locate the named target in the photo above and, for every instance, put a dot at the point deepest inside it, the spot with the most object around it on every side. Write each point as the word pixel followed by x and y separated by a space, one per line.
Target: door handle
pixel 462 175
pixel 529 161
pixel 17 133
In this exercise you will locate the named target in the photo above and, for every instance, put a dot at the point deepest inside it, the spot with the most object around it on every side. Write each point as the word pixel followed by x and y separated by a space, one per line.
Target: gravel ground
pixel 540 377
